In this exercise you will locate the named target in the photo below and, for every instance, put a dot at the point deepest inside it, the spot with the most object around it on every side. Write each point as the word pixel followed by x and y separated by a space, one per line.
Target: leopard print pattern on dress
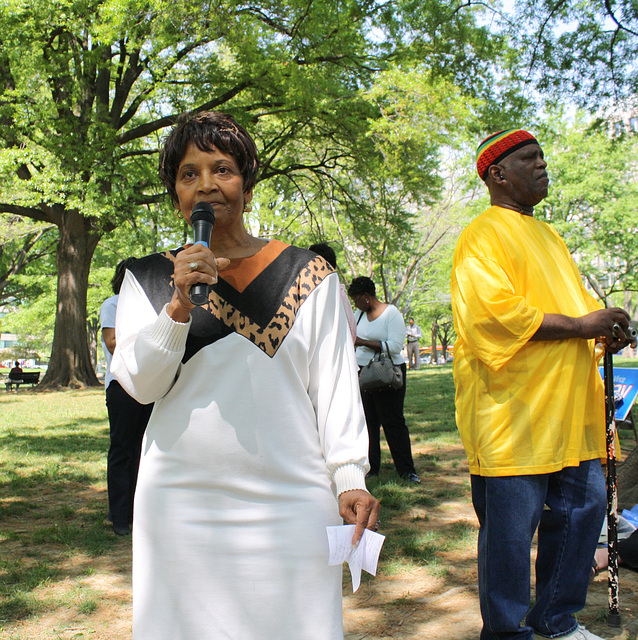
pixel 268 338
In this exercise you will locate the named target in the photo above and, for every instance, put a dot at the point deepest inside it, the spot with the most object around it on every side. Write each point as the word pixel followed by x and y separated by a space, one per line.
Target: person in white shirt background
pixel 380 326
pixel 413 334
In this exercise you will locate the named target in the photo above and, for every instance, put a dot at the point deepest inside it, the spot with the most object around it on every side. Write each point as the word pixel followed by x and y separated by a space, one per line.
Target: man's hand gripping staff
pixel 629 335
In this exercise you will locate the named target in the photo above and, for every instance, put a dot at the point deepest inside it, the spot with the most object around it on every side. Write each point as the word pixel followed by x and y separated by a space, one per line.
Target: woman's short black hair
pixel 326 252
pixel 208 130
pixel 362 285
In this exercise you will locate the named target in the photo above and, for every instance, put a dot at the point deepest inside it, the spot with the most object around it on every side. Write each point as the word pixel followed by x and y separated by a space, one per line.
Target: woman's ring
pixel 193 266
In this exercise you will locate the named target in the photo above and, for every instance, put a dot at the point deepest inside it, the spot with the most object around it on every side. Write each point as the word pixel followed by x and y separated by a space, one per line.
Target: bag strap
pixel 360 316
pixel 387 350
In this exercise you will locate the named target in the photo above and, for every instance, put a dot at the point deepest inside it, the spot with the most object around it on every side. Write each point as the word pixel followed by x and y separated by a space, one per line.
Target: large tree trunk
pixel 70 363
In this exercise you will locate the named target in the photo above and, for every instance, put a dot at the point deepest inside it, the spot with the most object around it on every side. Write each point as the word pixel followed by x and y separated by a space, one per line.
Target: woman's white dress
pixel 257 425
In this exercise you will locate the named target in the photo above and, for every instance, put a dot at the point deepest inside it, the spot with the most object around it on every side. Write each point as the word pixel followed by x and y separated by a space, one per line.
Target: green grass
pixel 429 406
pixel 411 541
pixel 631 363
pixel 53 506
pixel 52 476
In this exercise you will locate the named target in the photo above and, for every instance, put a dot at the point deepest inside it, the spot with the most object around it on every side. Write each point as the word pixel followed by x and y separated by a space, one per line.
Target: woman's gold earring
pixel 248 207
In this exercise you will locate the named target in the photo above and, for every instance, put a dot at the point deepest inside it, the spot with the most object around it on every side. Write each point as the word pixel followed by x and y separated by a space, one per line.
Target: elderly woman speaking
pixel 257 440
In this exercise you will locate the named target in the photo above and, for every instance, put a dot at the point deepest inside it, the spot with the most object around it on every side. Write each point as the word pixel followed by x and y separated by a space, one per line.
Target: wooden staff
pixel 631 336
pixel 613 618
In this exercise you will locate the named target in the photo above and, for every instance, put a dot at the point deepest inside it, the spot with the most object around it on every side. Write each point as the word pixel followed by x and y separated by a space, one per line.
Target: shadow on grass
pixel 68 438
pixel 409 511
pixel 45 535
pixel 408 518
pixel 52 459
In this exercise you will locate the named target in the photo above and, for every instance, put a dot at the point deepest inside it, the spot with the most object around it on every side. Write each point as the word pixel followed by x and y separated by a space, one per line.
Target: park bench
pixel 26 378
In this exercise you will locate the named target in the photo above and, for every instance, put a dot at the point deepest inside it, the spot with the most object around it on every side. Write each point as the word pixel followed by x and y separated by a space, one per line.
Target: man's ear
pixel 495 172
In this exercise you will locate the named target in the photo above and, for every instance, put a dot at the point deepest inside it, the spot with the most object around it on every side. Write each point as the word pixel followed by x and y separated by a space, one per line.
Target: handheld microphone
pixel 202 221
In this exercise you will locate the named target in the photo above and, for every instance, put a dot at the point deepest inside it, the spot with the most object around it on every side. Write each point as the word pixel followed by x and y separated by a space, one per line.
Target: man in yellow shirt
pixel 529 400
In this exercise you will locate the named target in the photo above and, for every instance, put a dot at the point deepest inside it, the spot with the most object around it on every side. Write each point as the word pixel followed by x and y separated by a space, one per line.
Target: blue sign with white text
pixel 625 390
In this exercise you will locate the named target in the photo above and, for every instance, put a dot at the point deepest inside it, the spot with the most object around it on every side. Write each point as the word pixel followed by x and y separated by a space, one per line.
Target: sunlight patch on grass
pixel 397 565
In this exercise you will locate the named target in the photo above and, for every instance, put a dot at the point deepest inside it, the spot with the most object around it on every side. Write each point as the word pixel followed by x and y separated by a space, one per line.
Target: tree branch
pixel 150 127
pixel 554 10
pixel 612 15
pixel 28 212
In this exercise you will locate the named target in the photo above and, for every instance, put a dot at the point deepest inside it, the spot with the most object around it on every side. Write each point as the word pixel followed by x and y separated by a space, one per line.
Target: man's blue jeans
pixel 509 509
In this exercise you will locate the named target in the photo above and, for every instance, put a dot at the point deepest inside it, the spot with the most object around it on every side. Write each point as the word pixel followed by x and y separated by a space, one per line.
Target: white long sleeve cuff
pixel 349 477
pixel 167 333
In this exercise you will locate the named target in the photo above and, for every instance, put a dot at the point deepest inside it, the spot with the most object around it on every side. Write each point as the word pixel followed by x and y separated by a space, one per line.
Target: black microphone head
pixel 203 211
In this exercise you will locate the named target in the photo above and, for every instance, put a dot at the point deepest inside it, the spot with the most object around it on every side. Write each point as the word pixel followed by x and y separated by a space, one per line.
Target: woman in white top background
pixel 380 324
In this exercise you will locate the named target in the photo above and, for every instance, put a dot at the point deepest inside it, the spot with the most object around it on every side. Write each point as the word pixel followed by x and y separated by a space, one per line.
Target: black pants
pixel 128 419
pixel 386 408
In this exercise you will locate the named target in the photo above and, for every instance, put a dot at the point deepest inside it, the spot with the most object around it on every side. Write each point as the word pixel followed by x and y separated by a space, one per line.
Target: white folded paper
pixel 364 556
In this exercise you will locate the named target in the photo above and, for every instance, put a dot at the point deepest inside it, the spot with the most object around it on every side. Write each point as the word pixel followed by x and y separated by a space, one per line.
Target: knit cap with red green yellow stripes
pixel 498 146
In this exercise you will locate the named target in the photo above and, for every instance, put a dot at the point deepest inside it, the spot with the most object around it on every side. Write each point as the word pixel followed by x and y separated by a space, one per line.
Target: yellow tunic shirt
pixel 521 407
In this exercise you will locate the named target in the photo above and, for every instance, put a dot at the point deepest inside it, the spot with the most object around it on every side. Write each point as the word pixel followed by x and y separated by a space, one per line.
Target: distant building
pixel 8 341
pixel 9 347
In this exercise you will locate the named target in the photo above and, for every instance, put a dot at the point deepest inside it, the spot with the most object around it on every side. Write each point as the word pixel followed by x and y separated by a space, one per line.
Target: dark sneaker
pixel 122 530
pixel 411 477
